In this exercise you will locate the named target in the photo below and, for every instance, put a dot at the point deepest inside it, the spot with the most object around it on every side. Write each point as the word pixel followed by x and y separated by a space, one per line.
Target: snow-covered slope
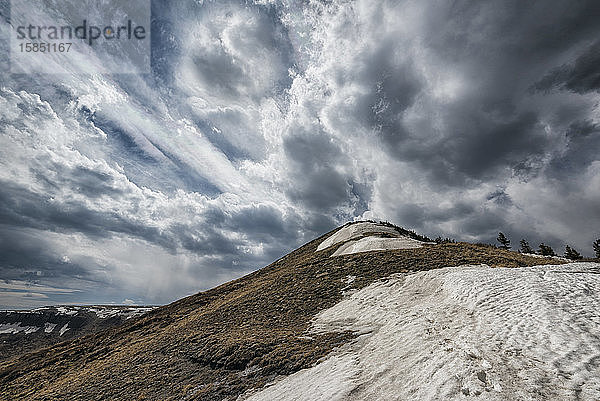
pixel 459 333
pixel 367 236
pixel 353 231
pixel 372 243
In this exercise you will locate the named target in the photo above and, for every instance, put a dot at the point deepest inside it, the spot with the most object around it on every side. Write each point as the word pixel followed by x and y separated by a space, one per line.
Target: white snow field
pixel 377 244
pixel 353 233
pixel 458 333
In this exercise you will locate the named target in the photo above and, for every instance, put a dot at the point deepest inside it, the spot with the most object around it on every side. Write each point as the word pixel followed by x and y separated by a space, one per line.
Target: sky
pixel 264 124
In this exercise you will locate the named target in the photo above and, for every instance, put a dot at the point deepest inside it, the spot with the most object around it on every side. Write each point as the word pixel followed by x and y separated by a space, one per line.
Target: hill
pixel 233 340
pixel 23 331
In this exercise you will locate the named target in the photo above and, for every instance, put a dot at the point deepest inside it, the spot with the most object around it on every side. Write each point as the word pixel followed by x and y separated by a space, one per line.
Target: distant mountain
pixel 23 331
pixel 368 311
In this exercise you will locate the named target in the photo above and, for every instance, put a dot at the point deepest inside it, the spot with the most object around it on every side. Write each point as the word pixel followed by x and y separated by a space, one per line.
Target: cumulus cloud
pixel 265 124
pixel 438 100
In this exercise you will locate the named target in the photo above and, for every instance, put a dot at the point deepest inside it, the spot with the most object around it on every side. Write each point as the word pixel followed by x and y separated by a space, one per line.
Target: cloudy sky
pixel 266 123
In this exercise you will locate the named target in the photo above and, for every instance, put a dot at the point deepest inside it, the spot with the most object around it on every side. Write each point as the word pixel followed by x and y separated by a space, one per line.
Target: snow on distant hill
pixel 26 330
pixel 527 333
pixel 10 325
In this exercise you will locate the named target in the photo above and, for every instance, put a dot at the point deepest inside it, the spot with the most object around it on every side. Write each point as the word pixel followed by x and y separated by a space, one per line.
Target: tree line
pixel 546 250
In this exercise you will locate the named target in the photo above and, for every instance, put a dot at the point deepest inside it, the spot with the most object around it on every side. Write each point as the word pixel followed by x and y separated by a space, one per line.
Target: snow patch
pixel 555 257
pixel 107 312
pixel 373 243
pixel 353 231
pixel 49 327
pixel 64 329
pixel 329 380
pixel 104 313
pixel 458 332
pixel 14 328
pixel 61 310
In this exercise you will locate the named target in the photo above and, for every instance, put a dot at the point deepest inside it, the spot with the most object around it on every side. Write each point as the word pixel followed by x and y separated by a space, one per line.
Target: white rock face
pixel 377 244
pixel 354 231
pixel 460 333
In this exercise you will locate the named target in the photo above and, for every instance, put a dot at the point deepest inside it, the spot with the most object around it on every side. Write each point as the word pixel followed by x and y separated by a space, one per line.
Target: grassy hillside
pixel 220 343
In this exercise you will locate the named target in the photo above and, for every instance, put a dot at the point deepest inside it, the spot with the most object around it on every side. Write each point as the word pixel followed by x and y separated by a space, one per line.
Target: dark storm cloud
pixel 449 99
pixel 393 87
pixel 581 151
pixel 313 156
pixel 324 189
pixel 501 48
pixel 266 225
pixel 581 76
pixel 259 220
pixel 479 145
pixel 583 128
pixel 500 197
pixel 28 257
pixel 23 208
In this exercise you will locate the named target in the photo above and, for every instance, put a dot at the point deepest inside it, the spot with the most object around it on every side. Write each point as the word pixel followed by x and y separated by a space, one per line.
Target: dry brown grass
pixel 220 343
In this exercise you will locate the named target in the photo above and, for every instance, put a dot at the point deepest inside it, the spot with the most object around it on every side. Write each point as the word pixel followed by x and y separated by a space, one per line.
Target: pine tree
pixel 447 240
pixel 571 253
pixel 546 250
pixel 525 248
pixel 504 242
pixel 597 247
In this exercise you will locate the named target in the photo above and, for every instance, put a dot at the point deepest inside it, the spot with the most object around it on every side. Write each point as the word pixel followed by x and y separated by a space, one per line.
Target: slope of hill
pixel 459 332
pixel 234 339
